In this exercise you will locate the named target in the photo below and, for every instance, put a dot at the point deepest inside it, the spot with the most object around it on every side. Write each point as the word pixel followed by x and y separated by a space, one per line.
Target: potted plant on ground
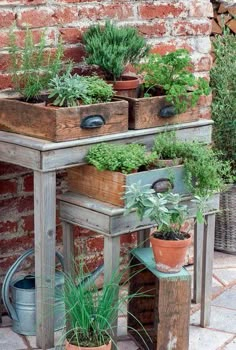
pixel 92 312
pixel 170 92
pixel 78 106
pixel 113 48
pixel 169 243
pixel 223 83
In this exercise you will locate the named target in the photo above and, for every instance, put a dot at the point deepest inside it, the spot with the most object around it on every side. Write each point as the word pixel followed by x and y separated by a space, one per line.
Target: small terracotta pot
pixel 169 255
pixel 75 347
pixel 128 86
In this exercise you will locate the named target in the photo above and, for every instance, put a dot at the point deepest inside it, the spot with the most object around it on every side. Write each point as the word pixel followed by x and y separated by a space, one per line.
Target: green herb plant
pixel 32 67
pixel 91 312
pixel 122 158
pixel 70 90
pixel 165 209
pixel 172 73
pixel 223 84
pixel 112 48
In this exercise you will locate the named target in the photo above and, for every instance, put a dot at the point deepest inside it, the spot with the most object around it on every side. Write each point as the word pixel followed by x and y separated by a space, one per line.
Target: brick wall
pixel 167 24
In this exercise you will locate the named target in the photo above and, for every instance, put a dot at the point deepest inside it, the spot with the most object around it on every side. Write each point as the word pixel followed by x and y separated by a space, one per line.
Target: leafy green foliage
pixel 223 83
pixel 164 209
pixel 172 73
pixel 90 312
pixel 31 68
pixel 112 48
pixel 205 172
pixel 123 158
pixel 67 90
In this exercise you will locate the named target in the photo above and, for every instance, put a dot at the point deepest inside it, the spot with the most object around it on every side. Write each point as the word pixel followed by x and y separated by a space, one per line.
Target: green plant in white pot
pixel 169 243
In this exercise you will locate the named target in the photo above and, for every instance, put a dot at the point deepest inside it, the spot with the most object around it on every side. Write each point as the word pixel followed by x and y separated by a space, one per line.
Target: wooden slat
pixel 232 25
pixel 45 227
pixel 216 29
pixel 20 155
pixel 223 19
pixel 68 247
pixel 198 249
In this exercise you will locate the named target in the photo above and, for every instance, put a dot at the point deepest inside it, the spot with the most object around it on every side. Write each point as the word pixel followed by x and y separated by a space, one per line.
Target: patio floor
pixel 221 335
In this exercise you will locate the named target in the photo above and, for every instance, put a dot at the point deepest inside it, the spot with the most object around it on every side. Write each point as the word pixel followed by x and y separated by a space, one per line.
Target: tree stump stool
pixel 162 306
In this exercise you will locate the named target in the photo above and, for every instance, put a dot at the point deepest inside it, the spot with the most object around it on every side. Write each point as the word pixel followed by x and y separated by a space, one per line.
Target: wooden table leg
pixel 207 268
pixel 143 238
pixel 45 228
pixel 68 247
pixel 111 265
pixel 198 251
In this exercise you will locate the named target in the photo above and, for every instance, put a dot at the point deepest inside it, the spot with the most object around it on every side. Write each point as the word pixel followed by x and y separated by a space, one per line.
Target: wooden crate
pixel 165 312
pixel 61 124
pixel 145 112
pixel 108 186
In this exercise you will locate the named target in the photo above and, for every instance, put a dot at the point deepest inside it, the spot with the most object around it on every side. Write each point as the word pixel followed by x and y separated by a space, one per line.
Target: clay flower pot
pixel 126 87
pixel 169 255
pixel 75 347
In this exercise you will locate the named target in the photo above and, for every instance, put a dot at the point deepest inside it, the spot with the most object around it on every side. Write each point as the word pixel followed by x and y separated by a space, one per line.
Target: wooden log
pixel 222 9
pixel 167 323
pixel 109 186
pixel 216 29
pixel 223 19
pixel 61 124
pixel 232 25
pixel 232 11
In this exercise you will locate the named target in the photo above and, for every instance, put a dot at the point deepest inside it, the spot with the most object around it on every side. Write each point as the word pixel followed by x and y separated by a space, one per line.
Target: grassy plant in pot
pixel 91 312
pixel 113 48
pixel 170 93
pixel 169 244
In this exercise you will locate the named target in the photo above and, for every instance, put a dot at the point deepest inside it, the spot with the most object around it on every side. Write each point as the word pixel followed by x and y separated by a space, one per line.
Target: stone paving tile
pixel 221 319
pixel 224 260
pixel 227 276
pixel 206 339
pixel 127 345
pixel 231 345
pixel 9 340
pixel 226 299
pixel 57 340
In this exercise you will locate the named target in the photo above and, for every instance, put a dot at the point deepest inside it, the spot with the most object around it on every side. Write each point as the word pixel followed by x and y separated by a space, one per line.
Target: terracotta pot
pixel 169 255
pixel 75 347
pixel 128 86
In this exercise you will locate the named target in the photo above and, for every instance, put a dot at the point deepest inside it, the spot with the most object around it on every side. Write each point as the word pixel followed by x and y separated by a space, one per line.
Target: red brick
pixel 202 64
pixel 75 53
pixel 41 17
pixel 163 48
pixel 200 8
pixel 27 223
pixel 25 204
pixel 8 187
pixel 8 226
pixel 119 11
pixel 28 183
pixel 65 15
pixel 129 238
pixel 13 244
pixel 71 35
pixel 7 19
pixel 151 11
pixel 95 244
pixel 152 29
pixel 8 169
pixel 5 81
pixel 184 28
pixel 4 62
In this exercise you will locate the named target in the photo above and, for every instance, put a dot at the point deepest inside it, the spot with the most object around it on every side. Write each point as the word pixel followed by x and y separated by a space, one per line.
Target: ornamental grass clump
pixel 171 74
pixel 32 67
pixel 112 48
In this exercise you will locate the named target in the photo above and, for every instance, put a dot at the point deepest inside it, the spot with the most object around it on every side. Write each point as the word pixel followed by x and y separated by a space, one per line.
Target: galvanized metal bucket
pixel 22 306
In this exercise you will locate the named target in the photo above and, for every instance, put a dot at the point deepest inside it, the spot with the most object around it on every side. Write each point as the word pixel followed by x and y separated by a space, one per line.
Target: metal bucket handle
pixel 7 280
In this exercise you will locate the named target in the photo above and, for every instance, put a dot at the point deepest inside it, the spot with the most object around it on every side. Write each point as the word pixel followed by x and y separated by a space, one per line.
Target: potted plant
pixel 169 243
pixel 77 107
pixel 170 92
pixel 91 312
pixel 223 83
pixel 113 48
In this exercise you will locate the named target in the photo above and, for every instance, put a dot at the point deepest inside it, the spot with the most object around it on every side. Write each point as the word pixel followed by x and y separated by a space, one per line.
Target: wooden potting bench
pixel 45 158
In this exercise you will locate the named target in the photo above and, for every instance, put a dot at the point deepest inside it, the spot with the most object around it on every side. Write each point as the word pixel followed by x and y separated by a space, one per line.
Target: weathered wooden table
pixel 45 158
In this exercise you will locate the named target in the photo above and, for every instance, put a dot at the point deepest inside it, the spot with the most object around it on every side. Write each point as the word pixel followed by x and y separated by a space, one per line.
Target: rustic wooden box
pixel 145 112
pixel 108 186
pixel 61 124
pixel 165 312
